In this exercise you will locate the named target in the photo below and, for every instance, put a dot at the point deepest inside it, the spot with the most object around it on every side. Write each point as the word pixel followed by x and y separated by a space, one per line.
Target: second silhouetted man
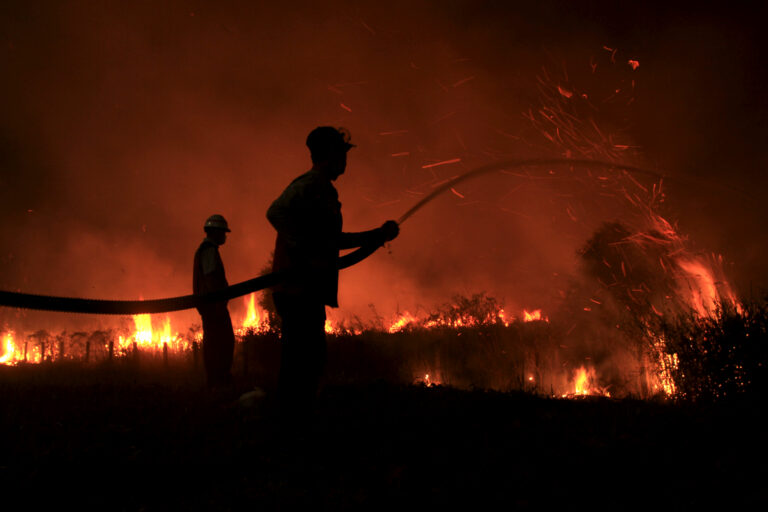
pixel 209 276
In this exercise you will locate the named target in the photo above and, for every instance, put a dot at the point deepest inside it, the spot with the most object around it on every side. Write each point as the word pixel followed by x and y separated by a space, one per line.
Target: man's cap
pixel 216 221
pixel 326 139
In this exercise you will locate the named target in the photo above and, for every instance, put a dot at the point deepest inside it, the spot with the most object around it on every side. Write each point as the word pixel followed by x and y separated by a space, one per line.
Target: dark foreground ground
pixel 121 438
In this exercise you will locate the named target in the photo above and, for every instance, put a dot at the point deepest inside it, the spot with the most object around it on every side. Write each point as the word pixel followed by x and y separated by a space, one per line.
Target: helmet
pixel 216 221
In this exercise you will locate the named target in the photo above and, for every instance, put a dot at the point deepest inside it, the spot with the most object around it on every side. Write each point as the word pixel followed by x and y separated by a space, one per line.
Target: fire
pixel 704 296
pixel 407 320
pixel 700 282
pixel 255 319
pixel 8 349
pixel 429 380
pixel 689 280
pixel 706 293
pixel 580 382
pixel 14 353
pixel 167 337
pixel 585 383
pixel 146 337
pixel 533 316
pixel 338 328
pixel 143 334
pixel 402 322
pixel 666 363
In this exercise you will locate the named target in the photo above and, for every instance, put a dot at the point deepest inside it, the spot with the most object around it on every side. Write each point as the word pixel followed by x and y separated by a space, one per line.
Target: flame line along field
pixel 469 344
pixel 418 342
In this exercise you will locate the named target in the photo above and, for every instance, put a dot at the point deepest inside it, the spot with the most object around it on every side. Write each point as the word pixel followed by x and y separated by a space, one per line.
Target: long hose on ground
pixel 135 307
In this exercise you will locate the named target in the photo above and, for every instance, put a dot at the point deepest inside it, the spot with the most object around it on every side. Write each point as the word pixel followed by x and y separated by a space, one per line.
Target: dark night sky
pixel 124 125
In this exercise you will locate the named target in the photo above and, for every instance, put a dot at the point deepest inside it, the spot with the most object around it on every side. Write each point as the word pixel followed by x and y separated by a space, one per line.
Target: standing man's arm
pixel 374 237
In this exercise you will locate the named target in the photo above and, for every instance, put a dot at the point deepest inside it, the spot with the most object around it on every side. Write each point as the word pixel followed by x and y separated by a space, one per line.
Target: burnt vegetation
pixel 145 436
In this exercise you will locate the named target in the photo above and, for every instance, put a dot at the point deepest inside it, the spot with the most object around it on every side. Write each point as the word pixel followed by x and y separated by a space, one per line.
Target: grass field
pixel 138 437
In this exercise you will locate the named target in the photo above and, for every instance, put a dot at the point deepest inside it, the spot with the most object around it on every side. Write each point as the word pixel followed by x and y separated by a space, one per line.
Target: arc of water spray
pixel 135 307
pixel 509 164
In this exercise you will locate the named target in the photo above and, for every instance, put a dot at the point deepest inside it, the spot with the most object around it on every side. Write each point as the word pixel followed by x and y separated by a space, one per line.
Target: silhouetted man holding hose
pixel 307 217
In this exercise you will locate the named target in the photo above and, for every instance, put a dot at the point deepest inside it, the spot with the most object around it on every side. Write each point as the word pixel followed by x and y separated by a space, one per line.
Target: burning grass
pixel 472 343
pixel 721 356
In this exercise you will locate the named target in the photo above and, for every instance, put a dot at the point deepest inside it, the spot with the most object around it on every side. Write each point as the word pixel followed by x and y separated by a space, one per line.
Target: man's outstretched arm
pixel 374 237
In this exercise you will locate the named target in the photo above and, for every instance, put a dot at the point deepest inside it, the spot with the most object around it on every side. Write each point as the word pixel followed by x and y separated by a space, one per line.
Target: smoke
pixel 126 125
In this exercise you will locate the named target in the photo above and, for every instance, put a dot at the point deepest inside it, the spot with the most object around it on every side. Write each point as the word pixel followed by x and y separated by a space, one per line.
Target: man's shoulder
pixel 313 183
pixel 207 256
pixel 206 244
pixel 207 247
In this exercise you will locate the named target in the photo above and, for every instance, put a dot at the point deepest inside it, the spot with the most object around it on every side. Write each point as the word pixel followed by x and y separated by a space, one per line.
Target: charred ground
pixel 140 437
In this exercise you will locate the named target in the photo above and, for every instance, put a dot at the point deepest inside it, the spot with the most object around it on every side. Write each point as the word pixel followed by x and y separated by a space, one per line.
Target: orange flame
pixel 533 316
pixel 255 319
pixel 146 337
pixel 429 380
pixel 143 334
pixel 404 320
pixel 9 349
pixel 503 318
pixel 666 363
pixel 585 383
pixel 581 382
pixel 706 294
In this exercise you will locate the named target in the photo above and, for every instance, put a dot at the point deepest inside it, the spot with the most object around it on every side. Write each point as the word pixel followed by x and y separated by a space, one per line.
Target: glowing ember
pixel 429 380
pixel 666 363
pixel 444 162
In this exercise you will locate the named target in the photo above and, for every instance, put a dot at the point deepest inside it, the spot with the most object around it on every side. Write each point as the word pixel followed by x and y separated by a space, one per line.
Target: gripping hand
pixel 390 230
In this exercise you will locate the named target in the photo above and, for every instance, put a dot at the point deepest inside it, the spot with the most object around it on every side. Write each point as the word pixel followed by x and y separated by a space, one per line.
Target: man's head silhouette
pixel 328 148
pixel 216 228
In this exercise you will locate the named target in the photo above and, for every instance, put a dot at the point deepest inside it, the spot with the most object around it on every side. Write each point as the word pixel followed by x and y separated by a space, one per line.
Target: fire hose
pixel 134 307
